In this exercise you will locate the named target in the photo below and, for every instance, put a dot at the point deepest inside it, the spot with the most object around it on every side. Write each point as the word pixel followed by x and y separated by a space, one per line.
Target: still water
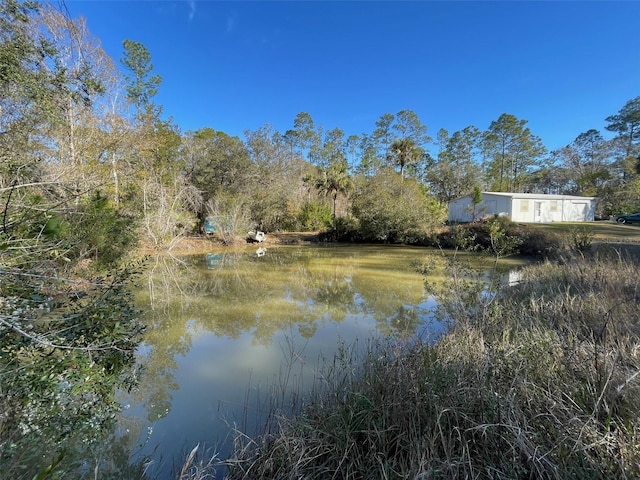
pixel 226 328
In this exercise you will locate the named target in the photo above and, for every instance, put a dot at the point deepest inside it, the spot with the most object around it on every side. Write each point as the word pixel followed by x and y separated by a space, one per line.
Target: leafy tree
pixel 369 163
pixel 26 84
pixel 29 87
pixel 442 138
pixel 219 166
pixel 351 146
pixel 625 196
pixel 626 123
pixel 215 163
pixel 274 187
pixel 383 135
pixel 457 168
pixel 512 151
pixel 116 140
pixel 142 86
pixel 399 139
pixel 76 135
pixel 392 210
pixel 63 358
pixel 549 178
pixel 476 199
pixel 408 125
pixel 67 337
pixel 104 235
pixel 315 216
pixel 333 146
pixel 587 161
pixel 50 131
pixel 306 134
pixel 290 137
pixel 167 200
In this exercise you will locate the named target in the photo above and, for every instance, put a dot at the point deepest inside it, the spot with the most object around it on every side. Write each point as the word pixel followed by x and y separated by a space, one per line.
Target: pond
pixel 227 328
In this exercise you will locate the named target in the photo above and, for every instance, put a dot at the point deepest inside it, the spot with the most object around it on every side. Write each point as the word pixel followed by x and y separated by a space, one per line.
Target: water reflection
pixel 219 324
pixel 240 292
pixel 213 260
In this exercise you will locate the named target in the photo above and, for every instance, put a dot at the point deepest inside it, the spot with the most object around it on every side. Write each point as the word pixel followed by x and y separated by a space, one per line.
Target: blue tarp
pixel 210 225
pixel 217 223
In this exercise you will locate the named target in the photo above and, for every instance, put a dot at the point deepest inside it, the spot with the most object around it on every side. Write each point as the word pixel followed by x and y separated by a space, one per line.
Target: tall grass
pixel 536 380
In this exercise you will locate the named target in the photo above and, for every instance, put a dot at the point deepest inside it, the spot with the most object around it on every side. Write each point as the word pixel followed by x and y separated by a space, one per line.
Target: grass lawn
pixel 603 230
pixel 624 238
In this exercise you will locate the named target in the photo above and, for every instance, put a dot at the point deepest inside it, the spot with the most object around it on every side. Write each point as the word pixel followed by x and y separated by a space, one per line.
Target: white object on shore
pixel 256 235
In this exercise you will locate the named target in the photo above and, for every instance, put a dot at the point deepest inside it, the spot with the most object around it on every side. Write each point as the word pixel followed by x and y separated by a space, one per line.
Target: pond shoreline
pixel 202 244
pixel 607 236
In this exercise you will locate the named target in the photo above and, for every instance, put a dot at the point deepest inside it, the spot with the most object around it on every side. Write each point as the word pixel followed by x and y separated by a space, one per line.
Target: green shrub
pixel 392 210
pixel 64 355
pixel 537 242
pixel 581 238
pixel 484 234
pixel 342 229
pixel 100 233
pixel 314 216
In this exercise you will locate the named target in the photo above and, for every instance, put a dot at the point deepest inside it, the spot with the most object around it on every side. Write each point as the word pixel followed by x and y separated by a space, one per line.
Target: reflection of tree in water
pixel 234 292
pixel 387 297
pixel 165 301
pixel 336 292
pixel 287 289
pixel 271 293
pixel 403 324
pixel 157 386
pixel 229 293
pixel 461 282
pixel 177 282
pixel 307 329
pixel 263 295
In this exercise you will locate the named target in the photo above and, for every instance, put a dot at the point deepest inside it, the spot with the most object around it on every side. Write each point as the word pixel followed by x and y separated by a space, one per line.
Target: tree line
pixel 86 149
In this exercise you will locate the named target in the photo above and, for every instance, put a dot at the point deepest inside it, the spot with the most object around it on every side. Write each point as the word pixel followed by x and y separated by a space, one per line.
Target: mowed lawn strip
pixel 623 238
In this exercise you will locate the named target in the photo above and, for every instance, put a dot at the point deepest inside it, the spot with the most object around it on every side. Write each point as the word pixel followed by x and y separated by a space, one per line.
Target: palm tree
pixel 403 152
pixel 333 180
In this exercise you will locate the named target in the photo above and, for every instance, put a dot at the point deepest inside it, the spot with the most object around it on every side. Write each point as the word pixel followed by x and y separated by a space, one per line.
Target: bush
pixel 314 216
pixel 100 232
pixel 232 215
pixel 65 354
pixel 537 243
pixel 478 236
pixel 581 239
pixel 343 229
pixel 392 210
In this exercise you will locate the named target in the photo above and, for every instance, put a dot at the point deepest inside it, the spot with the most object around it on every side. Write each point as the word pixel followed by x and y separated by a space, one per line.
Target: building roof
pixel 532 195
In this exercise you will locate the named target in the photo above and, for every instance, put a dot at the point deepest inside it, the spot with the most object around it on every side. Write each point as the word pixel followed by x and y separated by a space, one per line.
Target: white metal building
pixel 525 207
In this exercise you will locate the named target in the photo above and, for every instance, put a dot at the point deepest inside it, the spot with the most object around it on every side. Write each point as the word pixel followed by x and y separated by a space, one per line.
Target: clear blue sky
pixel 233 66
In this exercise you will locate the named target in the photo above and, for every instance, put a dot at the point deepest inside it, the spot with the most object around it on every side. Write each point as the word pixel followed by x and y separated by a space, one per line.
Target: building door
pixel 579 212
pixel 537 212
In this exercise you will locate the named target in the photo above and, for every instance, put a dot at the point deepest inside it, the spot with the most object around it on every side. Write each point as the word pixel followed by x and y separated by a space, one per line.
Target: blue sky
pixel 233 66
